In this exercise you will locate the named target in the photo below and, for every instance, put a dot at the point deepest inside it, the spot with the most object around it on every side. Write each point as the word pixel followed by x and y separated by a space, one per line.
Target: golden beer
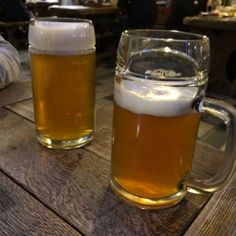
pixel 63 88
pixel 154 136
pixel 62 52
pixel 152 156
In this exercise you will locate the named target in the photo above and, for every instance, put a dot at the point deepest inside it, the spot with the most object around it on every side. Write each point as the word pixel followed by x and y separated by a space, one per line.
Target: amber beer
pixel 63 79
pixel 153 144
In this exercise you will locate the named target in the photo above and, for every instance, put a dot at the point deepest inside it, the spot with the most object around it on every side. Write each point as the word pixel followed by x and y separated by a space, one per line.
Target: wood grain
pixel 21 214
pixel 101 144
pixel 75 183
pixel 102 140
pixel 65 180
pixel 24 109
pixel 16 91
pixel 219 216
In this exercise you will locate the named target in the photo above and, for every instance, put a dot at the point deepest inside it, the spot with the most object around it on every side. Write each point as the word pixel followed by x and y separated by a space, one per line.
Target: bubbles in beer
pixel 61 36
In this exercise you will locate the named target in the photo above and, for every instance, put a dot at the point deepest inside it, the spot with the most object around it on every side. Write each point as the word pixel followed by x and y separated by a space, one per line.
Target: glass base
pixel 64 144
pixel 147 203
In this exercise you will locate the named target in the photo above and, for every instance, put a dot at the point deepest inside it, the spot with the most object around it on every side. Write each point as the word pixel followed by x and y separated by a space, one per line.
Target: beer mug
pixel 62 53
pixel 159 94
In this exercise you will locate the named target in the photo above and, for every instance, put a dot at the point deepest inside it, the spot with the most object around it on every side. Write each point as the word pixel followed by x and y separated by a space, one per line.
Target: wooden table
pixel 222 35
pixel 82 11
pixel 66 192
pixel 40 8
pixel 103 18
pixel 212 22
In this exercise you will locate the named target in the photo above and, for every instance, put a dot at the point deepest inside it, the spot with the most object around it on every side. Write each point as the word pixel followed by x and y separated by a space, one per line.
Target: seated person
pixel 138 13
pixel 181 9
pixel 10 67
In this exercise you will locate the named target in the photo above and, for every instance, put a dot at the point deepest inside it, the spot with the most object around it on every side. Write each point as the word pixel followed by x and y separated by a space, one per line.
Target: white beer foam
pixel 61 36
pixel 156 100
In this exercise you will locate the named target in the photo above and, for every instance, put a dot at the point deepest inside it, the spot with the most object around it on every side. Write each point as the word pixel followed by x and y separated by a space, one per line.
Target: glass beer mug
pixel 159 94
pixel 62 52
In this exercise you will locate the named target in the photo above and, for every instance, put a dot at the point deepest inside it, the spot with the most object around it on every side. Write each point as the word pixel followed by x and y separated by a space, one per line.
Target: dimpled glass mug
pixel 62 52
pixel 159 94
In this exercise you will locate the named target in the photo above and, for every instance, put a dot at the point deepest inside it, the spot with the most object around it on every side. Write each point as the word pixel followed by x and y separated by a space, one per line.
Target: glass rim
pixel 169 35
pixel 60 19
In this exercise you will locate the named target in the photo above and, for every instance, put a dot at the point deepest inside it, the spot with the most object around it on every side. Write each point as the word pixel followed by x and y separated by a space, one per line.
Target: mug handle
pixel 227 114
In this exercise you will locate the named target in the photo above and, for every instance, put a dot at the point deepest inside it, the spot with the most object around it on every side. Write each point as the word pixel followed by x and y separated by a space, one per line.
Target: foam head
pixel 148 99
pixel 61 36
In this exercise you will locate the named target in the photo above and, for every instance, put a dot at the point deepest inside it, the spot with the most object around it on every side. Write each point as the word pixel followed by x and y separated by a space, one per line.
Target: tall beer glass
pixel 160 84
pixel 62 55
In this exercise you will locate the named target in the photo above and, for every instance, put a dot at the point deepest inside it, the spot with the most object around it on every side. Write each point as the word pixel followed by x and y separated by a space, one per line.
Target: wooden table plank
pixel 16 91
pixel 75 184
pixel 126 220
pixel 25 109
pixel 219 216
pixel 21 214
pixel 65 181
pixel 102 140
pixel 101 144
